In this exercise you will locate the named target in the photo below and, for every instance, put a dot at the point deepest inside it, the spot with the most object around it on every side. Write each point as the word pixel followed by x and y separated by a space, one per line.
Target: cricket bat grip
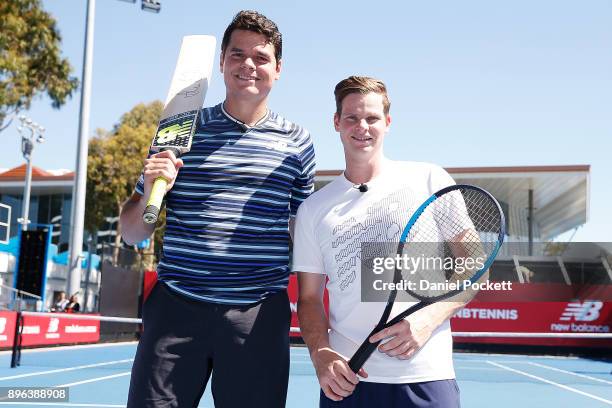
pixel 151 212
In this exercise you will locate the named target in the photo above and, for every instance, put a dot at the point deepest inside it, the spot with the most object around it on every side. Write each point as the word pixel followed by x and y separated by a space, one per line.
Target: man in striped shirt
pixel 220 306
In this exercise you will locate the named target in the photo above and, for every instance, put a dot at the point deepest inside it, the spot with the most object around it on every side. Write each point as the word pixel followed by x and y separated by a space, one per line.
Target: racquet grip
pixel 151 212
pixel 362 354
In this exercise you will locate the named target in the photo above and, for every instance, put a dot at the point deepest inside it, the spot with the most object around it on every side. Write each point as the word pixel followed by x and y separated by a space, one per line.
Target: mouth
pixel 246 77
pixel 362 139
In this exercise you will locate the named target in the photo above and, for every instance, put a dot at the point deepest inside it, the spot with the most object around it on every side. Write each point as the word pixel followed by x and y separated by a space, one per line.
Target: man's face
pixel 249 66
pixel 362 124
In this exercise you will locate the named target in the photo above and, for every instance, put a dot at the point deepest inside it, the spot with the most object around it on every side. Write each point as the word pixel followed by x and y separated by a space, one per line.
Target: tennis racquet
pixel 454 224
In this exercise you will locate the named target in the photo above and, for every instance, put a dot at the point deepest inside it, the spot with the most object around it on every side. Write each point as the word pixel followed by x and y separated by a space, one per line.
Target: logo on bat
pixel 170 133
pixel 189 83
pixel 190 92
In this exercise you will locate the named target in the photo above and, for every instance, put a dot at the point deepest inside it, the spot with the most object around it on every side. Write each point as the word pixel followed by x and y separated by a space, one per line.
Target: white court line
pixel 570 372
pixel 62 404
pixel 565 387
pixel 477 368
pixel 108 377
pixel 61 370
pixel 478 361
pixel 461 355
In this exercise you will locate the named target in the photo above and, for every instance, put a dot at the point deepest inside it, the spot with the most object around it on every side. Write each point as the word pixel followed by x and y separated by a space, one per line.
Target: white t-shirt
pixel 331 225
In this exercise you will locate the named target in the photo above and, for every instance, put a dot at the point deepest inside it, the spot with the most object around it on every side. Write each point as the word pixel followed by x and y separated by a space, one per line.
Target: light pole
pixel 30 131
pixel 77 215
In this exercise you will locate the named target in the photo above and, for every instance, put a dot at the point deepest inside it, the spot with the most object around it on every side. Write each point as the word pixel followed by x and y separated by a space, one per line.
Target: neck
pixel 362 171
pixel 246 111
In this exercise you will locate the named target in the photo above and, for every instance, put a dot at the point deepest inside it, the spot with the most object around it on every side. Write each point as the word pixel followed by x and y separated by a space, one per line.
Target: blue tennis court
pixel 98 376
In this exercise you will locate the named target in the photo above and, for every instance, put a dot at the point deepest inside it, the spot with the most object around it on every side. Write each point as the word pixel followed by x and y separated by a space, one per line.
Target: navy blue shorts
pixel 245 348
pixel 429 394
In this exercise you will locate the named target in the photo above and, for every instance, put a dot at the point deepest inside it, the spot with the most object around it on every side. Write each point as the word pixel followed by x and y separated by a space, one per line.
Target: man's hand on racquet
pixel 336 378
pixel 163 164
pixel 407 337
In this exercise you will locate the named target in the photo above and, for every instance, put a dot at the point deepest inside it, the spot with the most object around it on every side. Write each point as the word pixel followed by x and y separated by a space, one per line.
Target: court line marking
pixel 107 377
pixel 61 370
pixel 565 387
pixel 96 345
pixel 517 361
pixel 570 372
pixel 478 368
pixel 460 354
pixel 63 404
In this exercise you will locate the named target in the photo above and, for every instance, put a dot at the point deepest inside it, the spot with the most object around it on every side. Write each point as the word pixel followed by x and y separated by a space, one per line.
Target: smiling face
pixel 362 124
pixel 249 67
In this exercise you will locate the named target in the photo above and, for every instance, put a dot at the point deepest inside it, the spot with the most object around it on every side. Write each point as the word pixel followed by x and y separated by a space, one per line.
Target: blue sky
pixel 473 83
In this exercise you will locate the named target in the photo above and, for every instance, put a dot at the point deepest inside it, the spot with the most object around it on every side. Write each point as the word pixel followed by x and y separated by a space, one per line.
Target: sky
pixel 471 83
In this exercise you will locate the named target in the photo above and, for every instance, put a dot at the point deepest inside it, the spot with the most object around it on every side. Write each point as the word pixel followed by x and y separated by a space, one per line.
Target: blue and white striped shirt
pixel 227 237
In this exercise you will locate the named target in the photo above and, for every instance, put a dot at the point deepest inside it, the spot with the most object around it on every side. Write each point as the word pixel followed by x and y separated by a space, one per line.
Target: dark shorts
pixel 430 394
pixel 245 348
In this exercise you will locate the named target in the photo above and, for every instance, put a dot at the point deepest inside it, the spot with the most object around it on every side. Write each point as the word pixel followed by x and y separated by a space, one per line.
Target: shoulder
pixel 212 111
pixel 320 200
pixel 212 115
pixel 285 126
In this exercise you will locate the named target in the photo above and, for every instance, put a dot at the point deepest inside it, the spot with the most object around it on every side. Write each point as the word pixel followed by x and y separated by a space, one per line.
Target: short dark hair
pixel 361 85
pixel 250 20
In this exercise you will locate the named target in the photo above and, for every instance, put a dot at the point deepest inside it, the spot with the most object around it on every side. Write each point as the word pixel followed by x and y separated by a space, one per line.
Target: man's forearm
pixel 133 228
pixel 313 324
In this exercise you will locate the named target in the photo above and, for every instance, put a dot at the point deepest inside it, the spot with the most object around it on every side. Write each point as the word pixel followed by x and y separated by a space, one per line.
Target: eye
pixel 372 119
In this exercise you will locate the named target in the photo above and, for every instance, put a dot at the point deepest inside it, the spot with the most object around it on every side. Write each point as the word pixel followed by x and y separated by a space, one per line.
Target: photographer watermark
pixel 423 270
pixel 554 272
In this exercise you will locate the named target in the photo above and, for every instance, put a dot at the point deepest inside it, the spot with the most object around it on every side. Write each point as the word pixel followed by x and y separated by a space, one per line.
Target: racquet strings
pixel 459 225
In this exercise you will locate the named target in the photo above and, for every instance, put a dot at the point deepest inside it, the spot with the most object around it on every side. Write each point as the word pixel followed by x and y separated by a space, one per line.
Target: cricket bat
pixel 185 99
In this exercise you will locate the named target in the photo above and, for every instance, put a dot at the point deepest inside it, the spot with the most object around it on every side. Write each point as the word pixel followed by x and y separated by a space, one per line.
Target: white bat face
pixel 186 95
pixel 192 91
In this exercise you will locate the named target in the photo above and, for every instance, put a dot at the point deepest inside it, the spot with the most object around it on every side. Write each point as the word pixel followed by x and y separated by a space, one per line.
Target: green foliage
pixel 30 58
pixel 115 162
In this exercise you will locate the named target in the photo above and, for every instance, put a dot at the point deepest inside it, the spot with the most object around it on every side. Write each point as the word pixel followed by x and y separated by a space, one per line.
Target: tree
pixel 30 60
pixel 115 162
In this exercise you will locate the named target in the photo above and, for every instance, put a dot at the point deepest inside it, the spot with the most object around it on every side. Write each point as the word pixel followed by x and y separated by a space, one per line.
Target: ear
pixel 221 58
pixel 279 65
pixel 388 120
pixel 337 122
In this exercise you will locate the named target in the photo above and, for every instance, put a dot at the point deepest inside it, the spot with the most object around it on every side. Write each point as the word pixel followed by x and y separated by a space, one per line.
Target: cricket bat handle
pixel 151 212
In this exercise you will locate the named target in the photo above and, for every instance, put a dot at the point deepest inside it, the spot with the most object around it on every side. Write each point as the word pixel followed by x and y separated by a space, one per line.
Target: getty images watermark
pixel 427 270
pixel 542 272
pixel 430 271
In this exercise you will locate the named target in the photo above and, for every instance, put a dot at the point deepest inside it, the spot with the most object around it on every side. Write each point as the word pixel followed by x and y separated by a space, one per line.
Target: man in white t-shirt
pixel 370 202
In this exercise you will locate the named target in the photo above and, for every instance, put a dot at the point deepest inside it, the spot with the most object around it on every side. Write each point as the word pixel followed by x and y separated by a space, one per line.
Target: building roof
pixel 43 181
pixel 18 174
pixel 560 193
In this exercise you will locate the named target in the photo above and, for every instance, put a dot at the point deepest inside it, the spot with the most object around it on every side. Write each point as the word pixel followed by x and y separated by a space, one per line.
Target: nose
pixel 247 62
pixel 362 125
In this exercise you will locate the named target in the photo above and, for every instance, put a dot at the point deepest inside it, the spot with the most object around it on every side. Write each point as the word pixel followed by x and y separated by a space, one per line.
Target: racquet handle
pixel 151 212
pixel 362 354
pixel 366 349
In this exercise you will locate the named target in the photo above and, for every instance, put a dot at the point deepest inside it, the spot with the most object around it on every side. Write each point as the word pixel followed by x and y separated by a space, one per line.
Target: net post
pixel 16 353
